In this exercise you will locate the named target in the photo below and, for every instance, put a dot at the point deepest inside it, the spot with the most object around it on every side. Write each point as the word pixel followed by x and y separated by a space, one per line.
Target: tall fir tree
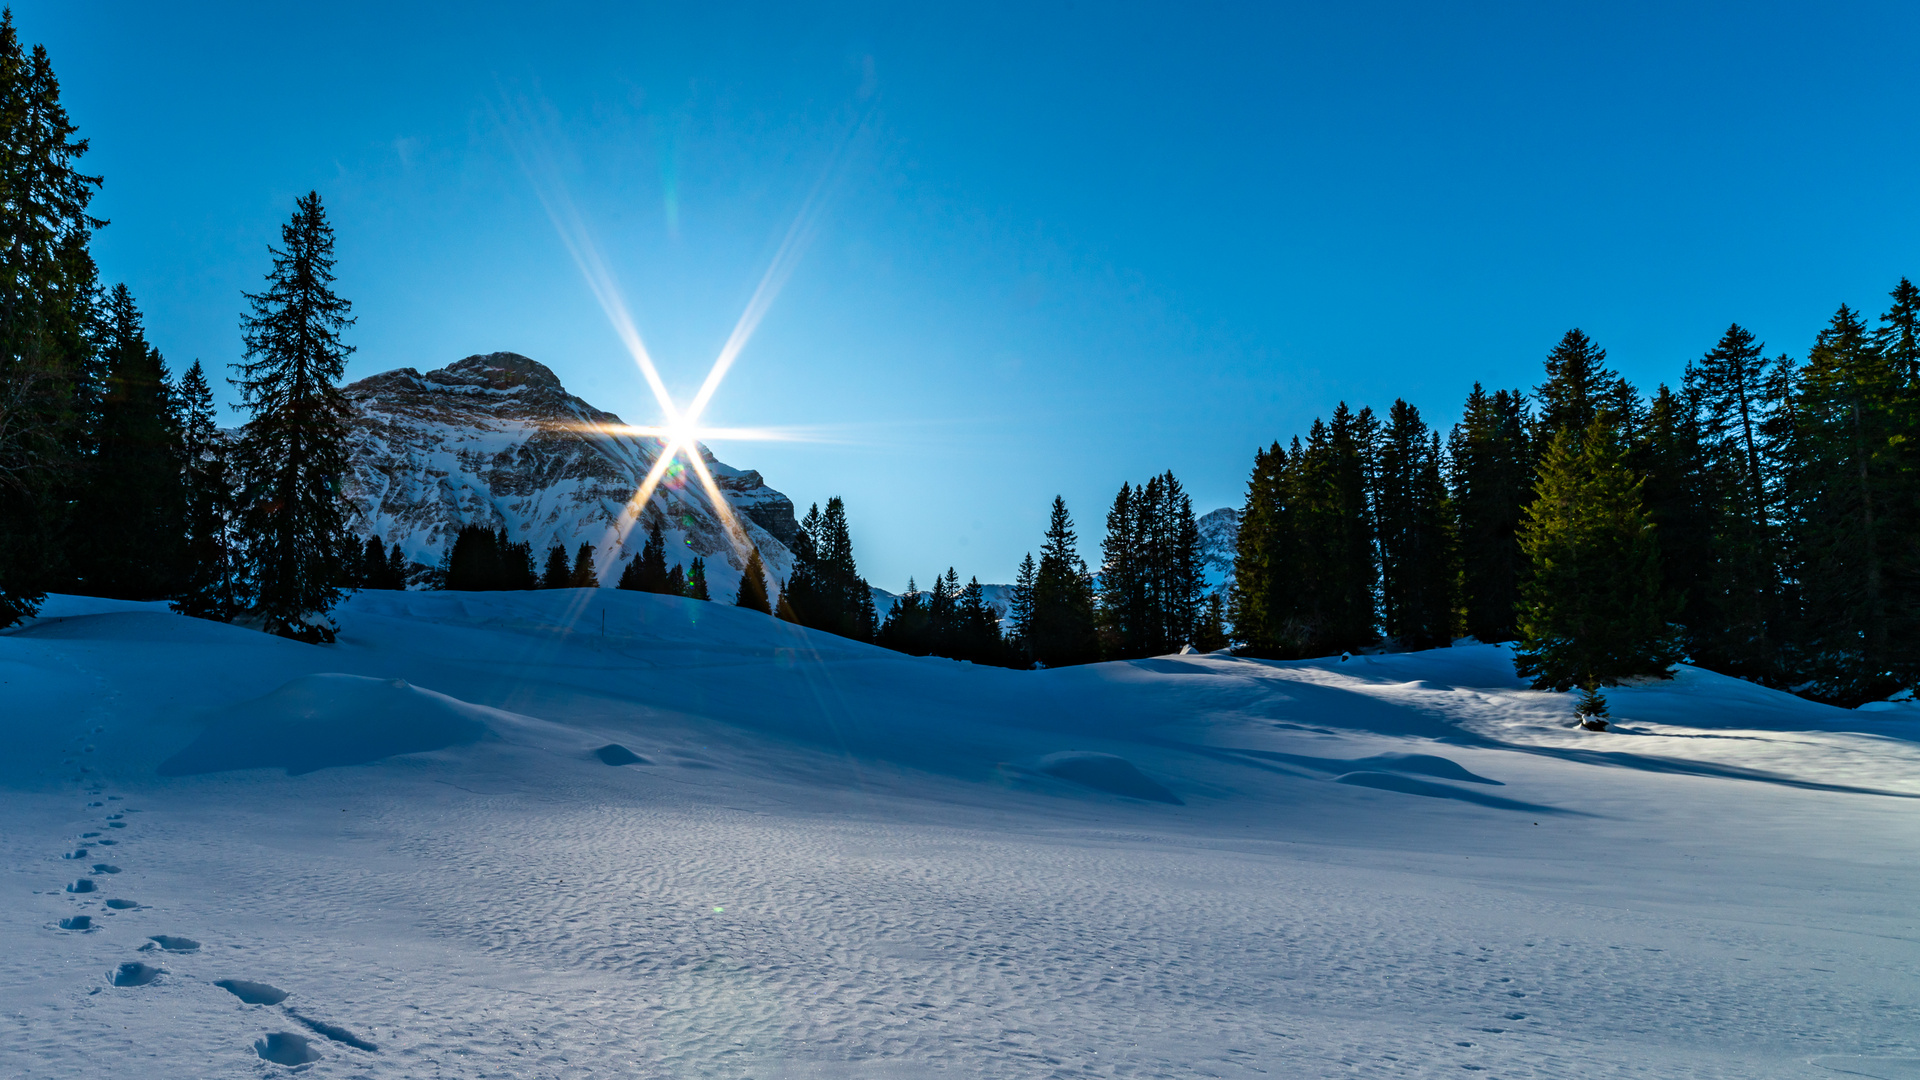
pixel 50 377
pixel 1063 617
pixel 647 572
pixel 1579 386
pixel 1594 608
pixel 585 574
pixel 213 586
pixel 1020 607
pixel 293 450
pixel 1854 489
pixel 753 585
pixel 1491 463
pixel 557 570
pixel 126 535
pixel 697 580
pixel 1676 489
pixel 1262 561
pixel 907 627
pixel 1413 517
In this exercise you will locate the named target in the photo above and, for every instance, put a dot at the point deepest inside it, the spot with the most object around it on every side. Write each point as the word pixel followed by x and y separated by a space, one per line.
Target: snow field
pixel 835 861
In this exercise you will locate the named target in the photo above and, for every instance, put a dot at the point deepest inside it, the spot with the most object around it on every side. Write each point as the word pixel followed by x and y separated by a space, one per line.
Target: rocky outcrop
pixel 496 440
pixel 1219 539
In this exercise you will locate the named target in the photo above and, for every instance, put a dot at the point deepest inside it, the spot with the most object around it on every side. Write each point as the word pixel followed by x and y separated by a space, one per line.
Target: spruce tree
pixel 1210 635
pixel 372 565
pixel 650 569
pixel 585 574
pixel 1262 562
pixel 293 450
pixel 676 581
pixel 49 356
pixel 474 561
pixel 1415 533
pixel 558 570
pixel 907 627
pixel 1020 606
pixel 1679 494
pixel 1594 608
pixel 753 585
pixel 1579 386
pixel 1063 617
pixel 1492 482
pixel 1738 627
pixel 396 569
pixel 1854 489
pixel 697 580
pixel 130 505
pixel 213 588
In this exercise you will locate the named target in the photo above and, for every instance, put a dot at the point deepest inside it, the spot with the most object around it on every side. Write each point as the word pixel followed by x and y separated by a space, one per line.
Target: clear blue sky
pixel 1063 244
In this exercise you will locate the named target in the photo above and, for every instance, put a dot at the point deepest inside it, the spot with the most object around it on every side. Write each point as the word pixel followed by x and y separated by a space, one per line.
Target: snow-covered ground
pixel 833 861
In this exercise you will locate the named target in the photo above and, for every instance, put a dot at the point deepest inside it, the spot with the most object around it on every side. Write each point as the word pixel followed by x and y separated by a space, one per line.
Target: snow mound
pixel 319 721
pixel 1408 785
pixel 1108 773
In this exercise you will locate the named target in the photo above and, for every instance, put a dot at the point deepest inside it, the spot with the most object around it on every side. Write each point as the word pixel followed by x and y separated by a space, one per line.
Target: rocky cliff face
pixel 1219 539
pixel 496 440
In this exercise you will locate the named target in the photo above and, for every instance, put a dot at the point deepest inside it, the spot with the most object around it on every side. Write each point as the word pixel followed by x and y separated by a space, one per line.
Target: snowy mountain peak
pixel 496 440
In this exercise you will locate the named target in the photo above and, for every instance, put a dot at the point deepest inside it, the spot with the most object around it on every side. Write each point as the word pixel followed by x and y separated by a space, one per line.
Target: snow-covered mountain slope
pixel 1219 533
pixel 411 854
pixel 496 440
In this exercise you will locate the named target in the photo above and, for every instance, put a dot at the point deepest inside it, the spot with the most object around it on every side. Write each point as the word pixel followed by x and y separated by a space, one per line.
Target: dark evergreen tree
pixel 977 627
pixel 1210 635
pixel 1737 619
pixel 1263 557
pixel 1898 336
pixel 213 588
pixel 1579 386
pixel 1492 481
pixel 676 581
pixel 397 575
pixel 129 507
pixel 908 628
pixel 1853 492
pixel 49 355
pixel 1415 527
pixel 1122 596
pixel 753 585
pixel 825 590
pixel 1150 570
pixel 1020 606
pixel 1677 491
pixel 293 450
pixel 586 575
pixel 697 580
pixel 1063 617
pixel 371 566
pixel 650 569
pixel 1594 608
pixel 484 559
pixel 558 570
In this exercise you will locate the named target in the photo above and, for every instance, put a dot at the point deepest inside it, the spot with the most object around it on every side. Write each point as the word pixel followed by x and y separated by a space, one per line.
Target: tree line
pixel 1761 518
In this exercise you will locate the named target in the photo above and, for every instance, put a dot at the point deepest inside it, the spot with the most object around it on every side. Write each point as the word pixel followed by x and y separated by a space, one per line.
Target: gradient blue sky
pixel 1060 245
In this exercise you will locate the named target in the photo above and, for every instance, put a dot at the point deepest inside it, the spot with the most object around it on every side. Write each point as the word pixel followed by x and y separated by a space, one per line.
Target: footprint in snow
pixel 134 973
pixel 76 853
pixel 335 1032
pixel 116 824
pixel 77 922
pixel 175 944
pixel 286 1048
pixel 105 868
pixel 253 993
pixel 122 905
pixel 84 885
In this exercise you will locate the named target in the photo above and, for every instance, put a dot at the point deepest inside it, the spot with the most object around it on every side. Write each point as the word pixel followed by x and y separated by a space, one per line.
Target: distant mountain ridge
pixel 496 440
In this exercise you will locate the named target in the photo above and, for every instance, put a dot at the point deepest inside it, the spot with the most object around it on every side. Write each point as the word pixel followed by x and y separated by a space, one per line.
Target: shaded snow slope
pixel 418 855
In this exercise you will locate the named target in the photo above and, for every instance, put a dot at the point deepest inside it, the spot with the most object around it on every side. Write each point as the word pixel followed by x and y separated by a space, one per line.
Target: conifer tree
pixel 1492 482
pixel 49 359
pixel 1854 490
pixel 1579 385
pixel 212 589
pixel 651 567
pixel 978 627
pixel 474 560
pixel 1063 617
pixel 1262 559
pixel 396 568
pixel 585 574
pixel 1020 606
pixel 753 585
pixel 907 627
pixel 697 580
pixel 1415 533
pixel 806 592
pixel 1736 621
pixel 372 565
pixel 293 450
pixel 676 581
pixel 558 570
pixel 1594 608
pixel 127 540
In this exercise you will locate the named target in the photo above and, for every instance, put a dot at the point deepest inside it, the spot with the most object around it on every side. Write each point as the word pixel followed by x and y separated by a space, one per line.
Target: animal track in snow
pixel 253 993
pixel 121 905
pixel 77 922
pixel 88 835
pixel 76 853
pixel 175 944
pixel 80 886
pixel 109 843
pixel 105 868
pixel 134 973
pixel 286 1048
pixel 116 824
